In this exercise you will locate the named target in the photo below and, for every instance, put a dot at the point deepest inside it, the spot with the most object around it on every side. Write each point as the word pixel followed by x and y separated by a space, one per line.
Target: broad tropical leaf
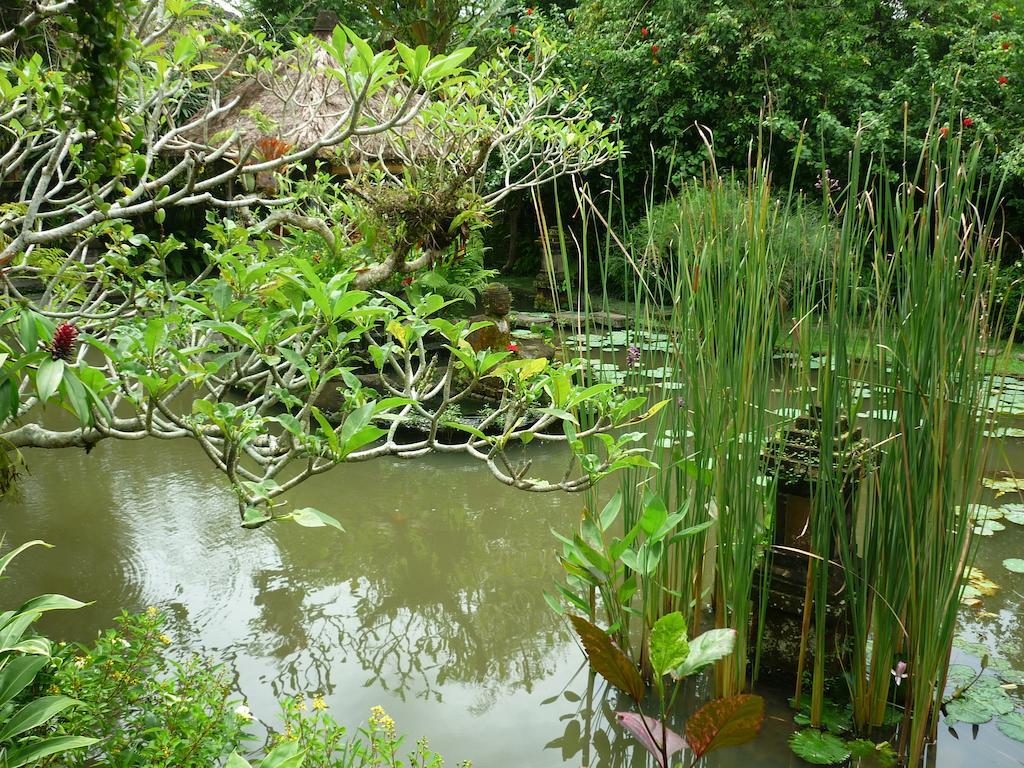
pixel 608 660
pixel 726 722
pixel 705 649
pixel 652 734
pixel 668 643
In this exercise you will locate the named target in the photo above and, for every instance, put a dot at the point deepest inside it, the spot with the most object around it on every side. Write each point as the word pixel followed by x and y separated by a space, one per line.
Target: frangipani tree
pixel 240 354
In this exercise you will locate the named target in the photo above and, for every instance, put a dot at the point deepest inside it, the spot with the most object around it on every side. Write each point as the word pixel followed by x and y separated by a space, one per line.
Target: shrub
pixel 797 234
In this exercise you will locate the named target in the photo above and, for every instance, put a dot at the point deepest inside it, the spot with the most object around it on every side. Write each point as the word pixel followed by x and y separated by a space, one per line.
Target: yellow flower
pixel 165 639
pixel 318 703
pixel 152 611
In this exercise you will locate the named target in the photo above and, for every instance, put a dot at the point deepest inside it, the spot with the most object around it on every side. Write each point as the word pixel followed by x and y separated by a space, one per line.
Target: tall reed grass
pixel 886 318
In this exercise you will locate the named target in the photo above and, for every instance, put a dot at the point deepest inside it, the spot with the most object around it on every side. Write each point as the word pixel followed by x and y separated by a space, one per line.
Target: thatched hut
pixel 297 103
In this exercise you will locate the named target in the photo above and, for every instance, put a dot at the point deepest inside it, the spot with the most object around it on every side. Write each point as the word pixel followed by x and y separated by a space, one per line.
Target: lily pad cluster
pixel 976 699
pixel 1006 396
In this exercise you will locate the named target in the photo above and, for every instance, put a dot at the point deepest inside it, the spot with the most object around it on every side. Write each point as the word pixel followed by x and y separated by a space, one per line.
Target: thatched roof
pixel 297 103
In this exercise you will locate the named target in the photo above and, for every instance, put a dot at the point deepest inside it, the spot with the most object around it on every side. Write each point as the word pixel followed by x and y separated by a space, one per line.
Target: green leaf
pixel 286 755
pixel 237 761
pixel 34 714
pixel 1012 726
pixel 611 511
pixel 1014 564
pixel 314 518
pixel 705 649
pixel 668 643
pixel 608 660
pixel 819 748
pixel 18 674
pixel 6 559
pixel 37 750
pixel 48 378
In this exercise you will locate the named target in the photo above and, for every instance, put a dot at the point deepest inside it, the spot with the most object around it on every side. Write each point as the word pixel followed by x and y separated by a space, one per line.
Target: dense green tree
pixel 786 69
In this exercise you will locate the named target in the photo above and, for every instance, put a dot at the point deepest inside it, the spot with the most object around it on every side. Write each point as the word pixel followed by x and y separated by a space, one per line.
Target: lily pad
pixel 988 527
pixel 880 415
pixel 1005 432
pixel 1012 725
pixel 982 512
pixel 1013 513
pixel 983 700
pixel 658 373
pixel 1014 564
pixel 818 748
pixel 788 413
pixel 1003 485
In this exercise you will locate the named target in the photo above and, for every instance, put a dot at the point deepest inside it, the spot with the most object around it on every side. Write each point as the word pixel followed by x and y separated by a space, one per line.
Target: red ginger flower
pixel 512 29
pixel 944 131
pixel 996 17
pixel 529 11
pixel 1003 79
pixel 62 347
pixel 655 48
pixel 968 122
pixel 512 347
pixel 644 32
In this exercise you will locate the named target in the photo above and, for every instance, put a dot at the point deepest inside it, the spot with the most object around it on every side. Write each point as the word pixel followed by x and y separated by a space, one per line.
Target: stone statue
pixel 496 302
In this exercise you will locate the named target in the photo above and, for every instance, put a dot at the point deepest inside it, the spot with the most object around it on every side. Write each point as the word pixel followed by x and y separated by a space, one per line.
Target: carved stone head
pixel 496 299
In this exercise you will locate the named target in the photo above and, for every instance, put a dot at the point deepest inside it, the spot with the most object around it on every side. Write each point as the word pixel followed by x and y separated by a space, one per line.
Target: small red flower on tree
pixel 944 131
pixel 529 11
pixel 655 48
pixel 1003 79
pixel 997 17
pixel 62 346
pixel 407 281
pixel 968 122
pixel 513 347
pixel 512 29
pixel 1006 46
pixel 644 32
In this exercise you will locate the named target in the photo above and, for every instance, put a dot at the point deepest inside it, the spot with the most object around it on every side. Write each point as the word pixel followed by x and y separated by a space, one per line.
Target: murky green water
pixel 430 605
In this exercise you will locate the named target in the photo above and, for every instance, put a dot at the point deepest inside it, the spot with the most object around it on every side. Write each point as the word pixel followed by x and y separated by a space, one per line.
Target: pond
pixel 431 604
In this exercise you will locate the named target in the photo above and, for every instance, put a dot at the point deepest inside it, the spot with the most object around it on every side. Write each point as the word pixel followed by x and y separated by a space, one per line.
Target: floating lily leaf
pixel 819 748
pixel 879 754
pixel 983 700
pixel 726 722
pixel 1012 725
pixel 1013 513
pixel 1005 432
pixel 971 647
pixel 788 413
pixel 643 727
pixel 988 527
pixel 1003 485
pixel 1014 564
pixel 608 660
pixel 658 373
pixel 983 512
pixel 976 578
pixel 834 718
pixel 880 415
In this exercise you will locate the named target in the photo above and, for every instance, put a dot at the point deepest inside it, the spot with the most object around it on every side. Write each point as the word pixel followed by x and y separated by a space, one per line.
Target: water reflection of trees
pixel 419 598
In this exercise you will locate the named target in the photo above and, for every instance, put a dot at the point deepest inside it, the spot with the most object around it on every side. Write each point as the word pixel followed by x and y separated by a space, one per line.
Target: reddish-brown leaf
pixel 725 722
pixel 651 733
pixel 608 660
